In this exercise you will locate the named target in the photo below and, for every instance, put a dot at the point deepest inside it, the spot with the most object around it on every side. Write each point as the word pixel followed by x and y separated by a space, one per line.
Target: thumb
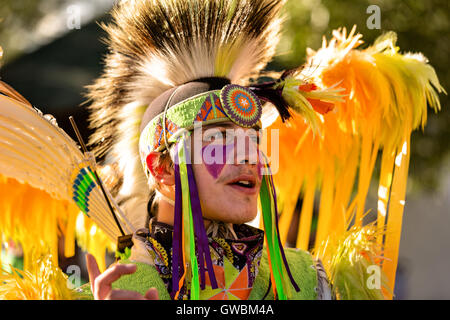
pixel 152 294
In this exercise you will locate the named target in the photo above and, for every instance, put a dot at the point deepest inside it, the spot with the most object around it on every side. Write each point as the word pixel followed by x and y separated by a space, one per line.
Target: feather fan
pixel 43 174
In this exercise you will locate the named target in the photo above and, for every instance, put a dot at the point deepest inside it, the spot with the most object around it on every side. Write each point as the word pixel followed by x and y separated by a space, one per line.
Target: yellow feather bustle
pixel 354 260
pixel 32 218
pixel 386 99
pixel 43 280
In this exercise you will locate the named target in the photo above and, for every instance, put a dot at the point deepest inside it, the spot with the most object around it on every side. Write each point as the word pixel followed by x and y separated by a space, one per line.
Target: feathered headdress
pixel 159 45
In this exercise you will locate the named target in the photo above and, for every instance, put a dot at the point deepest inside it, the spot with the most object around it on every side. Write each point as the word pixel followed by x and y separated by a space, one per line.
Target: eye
pixel 213 136
pixel 254 138
pixel 230 137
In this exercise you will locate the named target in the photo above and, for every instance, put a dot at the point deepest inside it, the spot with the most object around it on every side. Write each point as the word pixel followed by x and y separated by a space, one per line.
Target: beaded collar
pixel 235 261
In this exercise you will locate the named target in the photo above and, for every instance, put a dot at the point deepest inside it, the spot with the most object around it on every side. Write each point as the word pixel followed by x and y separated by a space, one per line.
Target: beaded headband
pixel 233 103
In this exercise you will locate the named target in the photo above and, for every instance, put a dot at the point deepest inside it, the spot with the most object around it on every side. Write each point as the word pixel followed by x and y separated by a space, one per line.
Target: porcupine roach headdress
pixel 173 63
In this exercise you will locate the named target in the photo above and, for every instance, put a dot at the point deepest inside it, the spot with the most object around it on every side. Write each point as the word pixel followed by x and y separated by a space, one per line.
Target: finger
pixel 124 295
pixel 152 294
pixel 93 270
pixel 104 281
pixel 115 272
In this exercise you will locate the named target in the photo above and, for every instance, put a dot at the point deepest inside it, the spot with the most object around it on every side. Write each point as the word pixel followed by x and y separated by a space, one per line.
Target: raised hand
pixel 101 283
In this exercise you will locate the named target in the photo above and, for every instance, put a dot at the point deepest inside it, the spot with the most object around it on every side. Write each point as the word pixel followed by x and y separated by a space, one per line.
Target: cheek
pixel 208 190
pixel 260 166
pixel 205 180
pixel 214 169
pixel 215 157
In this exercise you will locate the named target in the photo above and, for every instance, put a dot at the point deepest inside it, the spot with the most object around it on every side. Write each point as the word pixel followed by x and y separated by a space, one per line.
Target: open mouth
pixel 245 184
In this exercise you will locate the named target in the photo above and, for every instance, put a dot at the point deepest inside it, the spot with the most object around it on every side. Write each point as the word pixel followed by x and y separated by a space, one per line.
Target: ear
pixel 162 172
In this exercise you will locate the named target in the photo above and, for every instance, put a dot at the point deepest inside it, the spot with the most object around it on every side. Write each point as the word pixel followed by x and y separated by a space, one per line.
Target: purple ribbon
pixel 199 230
pixel 177 262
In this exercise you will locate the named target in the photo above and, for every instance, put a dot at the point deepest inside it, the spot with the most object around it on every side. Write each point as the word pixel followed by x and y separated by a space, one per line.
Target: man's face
pixel 228 173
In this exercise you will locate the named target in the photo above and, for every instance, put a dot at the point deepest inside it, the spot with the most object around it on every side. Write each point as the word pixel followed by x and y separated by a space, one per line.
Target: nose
pixel 246 151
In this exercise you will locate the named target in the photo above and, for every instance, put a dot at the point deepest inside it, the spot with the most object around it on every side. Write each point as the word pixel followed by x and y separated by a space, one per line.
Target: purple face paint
pixel 215 157
pixel 260 165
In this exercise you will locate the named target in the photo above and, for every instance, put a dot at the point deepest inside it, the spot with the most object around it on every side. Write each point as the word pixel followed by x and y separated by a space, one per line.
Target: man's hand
pixel 101 283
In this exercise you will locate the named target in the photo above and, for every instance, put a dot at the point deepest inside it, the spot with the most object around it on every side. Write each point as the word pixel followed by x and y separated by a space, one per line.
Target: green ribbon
pixel 268 211
pixel 188 224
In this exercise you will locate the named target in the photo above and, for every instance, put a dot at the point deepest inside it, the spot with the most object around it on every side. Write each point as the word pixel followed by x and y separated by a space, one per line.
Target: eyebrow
pixel 218 125
pixel 226 125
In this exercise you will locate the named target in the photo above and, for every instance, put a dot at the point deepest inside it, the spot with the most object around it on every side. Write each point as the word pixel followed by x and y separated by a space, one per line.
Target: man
pixel 228 175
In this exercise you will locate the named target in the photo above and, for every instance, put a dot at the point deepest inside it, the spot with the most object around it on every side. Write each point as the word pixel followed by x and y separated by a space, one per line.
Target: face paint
pixel 215 157
pixel 260 164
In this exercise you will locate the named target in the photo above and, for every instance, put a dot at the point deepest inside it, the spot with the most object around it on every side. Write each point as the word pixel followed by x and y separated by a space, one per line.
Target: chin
pixel 230 211
pixel 237 216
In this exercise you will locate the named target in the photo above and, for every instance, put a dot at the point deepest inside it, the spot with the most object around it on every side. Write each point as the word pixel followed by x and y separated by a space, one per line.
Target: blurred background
pixel 52 49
